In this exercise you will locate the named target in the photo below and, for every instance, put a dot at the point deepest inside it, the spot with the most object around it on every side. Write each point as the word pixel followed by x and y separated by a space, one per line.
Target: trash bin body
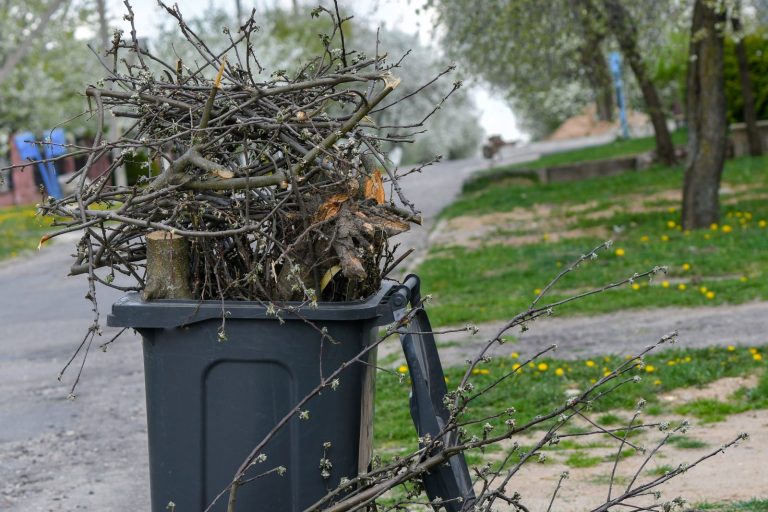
pixel 209 402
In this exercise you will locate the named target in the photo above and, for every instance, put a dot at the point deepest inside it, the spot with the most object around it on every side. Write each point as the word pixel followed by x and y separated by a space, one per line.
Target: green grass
pixel 20 230
pixel 687 443
pixel 619 148
pixel 532 392
pixel 580 459
pixel 495 281
pixel 753 505
pixel 660 470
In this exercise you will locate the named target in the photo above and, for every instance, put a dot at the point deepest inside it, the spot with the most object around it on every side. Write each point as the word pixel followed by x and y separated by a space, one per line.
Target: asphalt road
pixel 90 453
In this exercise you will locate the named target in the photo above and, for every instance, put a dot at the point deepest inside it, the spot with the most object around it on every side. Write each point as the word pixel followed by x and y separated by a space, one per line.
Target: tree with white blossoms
pixel 44 67
pixel 550 57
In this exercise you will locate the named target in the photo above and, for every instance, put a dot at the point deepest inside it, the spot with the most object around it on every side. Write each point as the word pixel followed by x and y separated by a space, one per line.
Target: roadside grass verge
pixel 753 505
pixel 20 230
pixel 543 386
pixel 640 211
pixel 616 149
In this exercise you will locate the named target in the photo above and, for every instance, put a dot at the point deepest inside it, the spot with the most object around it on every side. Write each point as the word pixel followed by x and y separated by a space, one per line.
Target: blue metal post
pixel 615 63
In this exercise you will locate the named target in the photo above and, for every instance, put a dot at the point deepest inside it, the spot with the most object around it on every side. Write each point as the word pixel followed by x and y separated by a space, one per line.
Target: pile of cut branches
pixel 272 188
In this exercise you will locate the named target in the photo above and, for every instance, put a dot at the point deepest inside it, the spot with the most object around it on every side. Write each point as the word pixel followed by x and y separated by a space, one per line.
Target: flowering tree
pixel 43 70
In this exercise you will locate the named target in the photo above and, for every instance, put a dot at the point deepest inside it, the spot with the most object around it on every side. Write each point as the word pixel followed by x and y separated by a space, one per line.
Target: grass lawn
pixel 539 228
pixel 754 505
pixel 542 387
pixel 615 149
pixel 20 230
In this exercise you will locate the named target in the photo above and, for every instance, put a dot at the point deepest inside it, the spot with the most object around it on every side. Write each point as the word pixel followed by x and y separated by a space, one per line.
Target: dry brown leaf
pixel 330 207
pixel 374 187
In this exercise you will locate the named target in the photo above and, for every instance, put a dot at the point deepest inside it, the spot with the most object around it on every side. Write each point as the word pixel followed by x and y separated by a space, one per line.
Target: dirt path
pixel 738 474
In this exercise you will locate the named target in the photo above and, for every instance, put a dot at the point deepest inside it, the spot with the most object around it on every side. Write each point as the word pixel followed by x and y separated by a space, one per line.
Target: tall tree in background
pixel 623 28
pixel 540 55
pixel 29 39
pixel 747 92
pixel 706 112
pixel 593 59
pixel 47 66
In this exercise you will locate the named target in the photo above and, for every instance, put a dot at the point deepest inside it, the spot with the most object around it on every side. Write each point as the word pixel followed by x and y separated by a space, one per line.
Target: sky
pixel 495 116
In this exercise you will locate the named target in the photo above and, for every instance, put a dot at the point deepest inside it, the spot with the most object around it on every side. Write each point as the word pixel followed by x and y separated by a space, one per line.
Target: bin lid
pixel 132 310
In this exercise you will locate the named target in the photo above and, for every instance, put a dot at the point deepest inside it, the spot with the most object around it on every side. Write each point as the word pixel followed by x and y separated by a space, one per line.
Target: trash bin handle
pixel 428 388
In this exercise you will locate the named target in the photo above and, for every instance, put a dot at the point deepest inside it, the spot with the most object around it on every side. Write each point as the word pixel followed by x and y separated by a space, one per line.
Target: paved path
pixel 90 453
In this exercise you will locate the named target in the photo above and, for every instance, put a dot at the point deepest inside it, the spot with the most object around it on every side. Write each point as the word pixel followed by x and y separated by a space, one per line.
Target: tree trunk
pixel 747 92
pixel 626 35
pixel 706 118
pixel 167 267
pixel 599 76
pixel 592 58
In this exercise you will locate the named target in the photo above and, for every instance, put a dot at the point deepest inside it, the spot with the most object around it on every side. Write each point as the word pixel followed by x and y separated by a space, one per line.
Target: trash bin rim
pixel 133 311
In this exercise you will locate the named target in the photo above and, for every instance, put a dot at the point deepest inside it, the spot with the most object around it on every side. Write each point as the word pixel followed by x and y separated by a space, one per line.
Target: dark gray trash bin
pixel 210 402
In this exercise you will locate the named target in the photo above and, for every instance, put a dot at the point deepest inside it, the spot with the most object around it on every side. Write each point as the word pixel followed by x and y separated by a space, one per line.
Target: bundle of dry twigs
pixel 276 185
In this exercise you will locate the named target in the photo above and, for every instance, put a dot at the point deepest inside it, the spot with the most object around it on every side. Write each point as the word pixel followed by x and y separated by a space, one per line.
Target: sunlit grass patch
pixel 20 230
pixel 537 389
pixel 719 265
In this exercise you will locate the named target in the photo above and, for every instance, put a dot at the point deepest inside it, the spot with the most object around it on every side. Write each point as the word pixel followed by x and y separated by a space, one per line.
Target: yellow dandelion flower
pixel 665 238
pixel 516 367
pixel 592 381
pixel 650 368
pixel 671 224
pixel 559 372
pixel 644 238
pixel 682 287
pixel 757 357
pixel 475 371
pixel 635 286
pixel 727 228
pixel 703 289
pixel 710 295
pixel 542 367
pixel 743 279
pixel 484 371
pixel 714 226
pixel 657 382
pixel 706 236
pixel 671 363
pixel 753 351
pixel 403 369
pixel 590 363
pixel 731 348
pixel 665 284
pixel 748 215
pixel 514 355
pixel 671 209
pixel 686 267
pixel 606 373
pixel 762 223
pixel 738 214
pixel 619 252
pixel 687 359
pixel 537 291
